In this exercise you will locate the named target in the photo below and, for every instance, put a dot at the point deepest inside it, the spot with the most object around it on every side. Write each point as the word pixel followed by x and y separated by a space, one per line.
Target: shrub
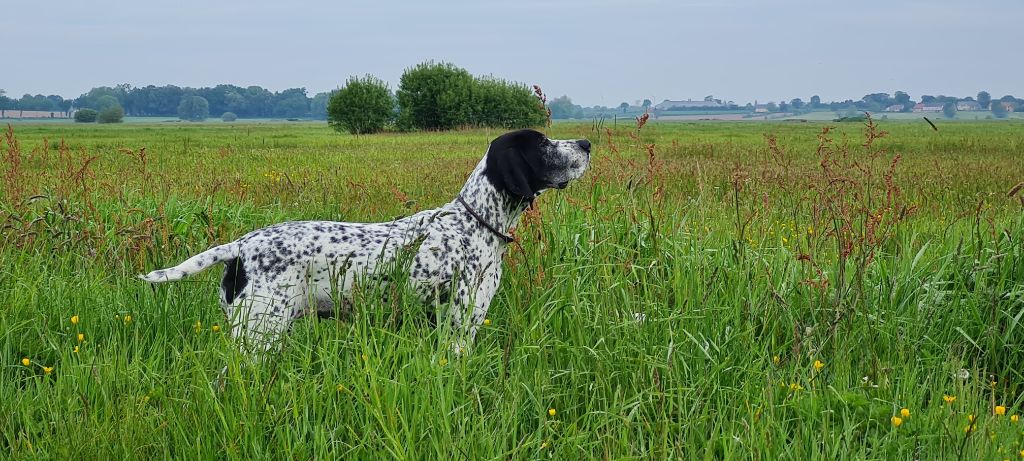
pixel 229 117
pixel 502 104
pixel 193 108
pixel 113 114
pixel 364 105
pixel 949 110
pixel 435 97
pixel 85 115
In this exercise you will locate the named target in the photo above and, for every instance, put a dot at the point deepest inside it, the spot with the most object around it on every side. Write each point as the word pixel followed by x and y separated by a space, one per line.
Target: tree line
pixel 164 101
pixel 563 107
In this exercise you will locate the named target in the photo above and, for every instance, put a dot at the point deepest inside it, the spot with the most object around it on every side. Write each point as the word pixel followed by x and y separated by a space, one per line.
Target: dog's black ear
pixel 515 163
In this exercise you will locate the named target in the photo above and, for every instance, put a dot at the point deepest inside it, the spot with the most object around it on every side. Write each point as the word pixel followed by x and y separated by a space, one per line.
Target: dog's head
pixel 524 163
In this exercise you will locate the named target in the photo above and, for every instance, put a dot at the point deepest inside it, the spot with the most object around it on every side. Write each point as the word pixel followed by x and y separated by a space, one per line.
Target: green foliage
pixel 435 96
pixel 193 108
pixel 984 99
pixel 229 117
pixel 501 104
pixel 998 109
pixel 949 110
pixel 442 96
pixel 364 105
pixel 112 114
pixel 86 115
pixel 106 102
pixel 562 108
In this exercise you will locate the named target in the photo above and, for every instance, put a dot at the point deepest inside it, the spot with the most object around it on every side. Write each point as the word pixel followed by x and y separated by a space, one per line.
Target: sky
pixel 598 52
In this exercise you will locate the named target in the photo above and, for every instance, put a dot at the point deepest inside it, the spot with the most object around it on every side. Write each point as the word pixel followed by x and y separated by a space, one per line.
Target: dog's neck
pixel 499 209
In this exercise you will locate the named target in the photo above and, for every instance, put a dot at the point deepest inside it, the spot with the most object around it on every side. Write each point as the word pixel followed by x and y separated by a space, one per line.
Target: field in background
pixel 725 290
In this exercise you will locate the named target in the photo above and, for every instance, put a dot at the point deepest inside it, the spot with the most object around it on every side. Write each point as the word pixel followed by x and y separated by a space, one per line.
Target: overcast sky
pixel 597 52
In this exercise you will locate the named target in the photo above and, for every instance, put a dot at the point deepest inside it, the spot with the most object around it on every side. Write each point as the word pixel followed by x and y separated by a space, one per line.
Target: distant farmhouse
pixel 688 105
pixel 968 106
pixel 15 113
pixel 928 107
pixel 894 108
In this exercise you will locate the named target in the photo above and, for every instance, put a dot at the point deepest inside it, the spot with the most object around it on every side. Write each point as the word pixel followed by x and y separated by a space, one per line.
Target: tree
pixel 647 104
pixel 229 117
pixel 193 108
pixel 435 96
pixel 85 116
pixel 364 105
pixel 772 107
pixel 623 107
pixel 984 99
pixel 998 109
pixel 815 101
pixel 949 110
pixel 502 104
pixel 796 103
pixel 318 105
pixel 112 114
pixel 562 107
pixel 291 103
pixel 783 107
pixel 106 102
pixel 903 99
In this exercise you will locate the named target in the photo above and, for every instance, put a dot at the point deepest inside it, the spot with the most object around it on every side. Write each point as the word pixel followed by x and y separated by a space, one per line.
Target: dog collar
pixel 503 236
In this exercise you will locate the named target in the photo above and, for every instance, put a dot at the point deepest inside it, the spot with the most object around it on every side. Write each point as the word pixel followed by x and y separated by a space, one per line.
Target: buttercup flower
pixel 127 319
pixel 949 399
pixel 487 322
pixel 81 337
pixel 776 360
pixel 25 361
pixel 1014 418
pixel 905 412
pixel 74 320
pixel 215 328
pixel 818 365
pixel 75 350
pixel 47 370
pixel 552 412
pixel 896 421
pixel 1000 410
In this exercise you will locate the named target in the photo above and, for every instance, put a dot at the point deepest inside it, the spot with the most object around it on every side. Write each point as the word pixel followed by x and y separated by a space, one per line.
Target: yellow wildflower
pixel 896 421
pixel 487 322
pixel 365 357
pixel 127 319
pixel 199 326
pixel 1014 418
pixel 552 412
pixel 905 412
pixel 76 350
pixel 795 387
pixel 1000 410
pixel 47 370
pixel 818 365
pixel 215 328
pixel 74 320
pixel 25 361
pixel 442 362
pixel 971 418
pixel 341 387
pixel 776 360
pixel 81 337
pixel 949 399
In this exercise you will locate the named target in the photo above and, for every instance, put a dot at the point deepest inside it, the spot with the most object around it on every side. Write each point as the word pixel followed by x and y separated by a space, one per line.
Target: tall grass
pixel 715 291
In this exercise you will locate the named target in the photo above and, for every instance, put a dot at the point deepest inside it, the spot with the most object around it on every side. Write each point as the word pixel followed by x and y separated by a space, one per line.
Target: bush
pixel 442 97
pixel 113 114
pixel 435 97
pixel 363 106
pixel 502 104
pixel 949 110
pixel 85 115
pixel 193 108
pixel 998 110
pixel 229 117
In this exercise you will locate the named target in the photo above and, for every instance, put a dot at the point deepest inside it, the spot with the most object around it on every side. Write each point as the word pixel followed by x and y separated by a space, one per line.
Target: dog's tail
pixel 195 264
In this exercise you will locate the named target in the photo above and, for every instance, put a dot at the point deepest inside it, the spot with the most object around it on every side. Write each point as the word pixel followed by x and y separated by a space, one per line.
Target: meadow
pixel 708 290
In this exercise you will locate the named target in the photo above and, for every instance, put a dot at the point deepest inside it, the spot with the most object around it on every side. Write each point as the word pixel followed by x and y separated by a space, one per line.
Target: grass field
pixel 707 291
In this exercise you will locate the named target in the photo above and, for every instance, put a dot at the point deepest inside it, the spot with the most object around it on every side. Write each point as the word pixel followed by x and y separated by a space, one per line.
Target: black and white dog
pixel 279 273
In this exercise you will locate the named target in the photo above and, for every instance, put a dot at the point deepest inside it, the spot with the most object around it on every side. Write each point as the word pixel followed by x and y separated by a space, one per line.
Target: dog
pixel 452 254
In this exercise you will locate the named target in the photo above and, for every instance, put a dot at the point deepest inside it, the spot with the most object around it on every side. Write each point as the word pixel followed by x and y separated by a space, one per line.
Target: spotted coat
pixel 280 273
